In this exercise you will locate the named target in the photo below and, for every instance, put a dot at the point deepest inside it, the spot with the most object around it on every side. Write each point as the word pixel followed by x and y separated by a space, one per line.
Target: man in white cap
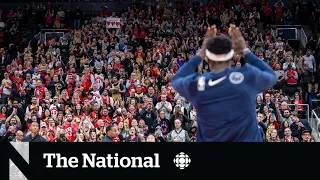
pixel 225 97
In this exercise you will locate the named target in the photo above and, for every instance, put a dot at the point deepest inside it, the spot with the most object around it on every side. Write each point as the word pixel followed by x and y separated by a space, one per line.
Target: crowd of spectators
pixel 113 85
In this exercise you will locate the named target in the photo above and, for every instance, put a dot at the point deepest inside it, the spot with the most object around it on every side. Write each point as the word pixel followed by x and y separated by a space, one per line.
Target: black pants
pixel 291 89
pixel 4 99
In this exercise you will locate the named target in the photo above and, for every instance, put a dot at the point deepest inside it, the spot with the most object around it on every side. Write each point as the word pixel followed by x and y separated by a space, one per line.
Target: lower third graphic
pixel 182 160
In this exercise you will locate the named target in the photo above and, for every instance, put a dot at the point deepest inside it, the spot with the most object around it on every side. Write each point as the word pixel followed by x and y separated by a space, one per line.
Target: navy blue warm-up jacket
pixel 225 101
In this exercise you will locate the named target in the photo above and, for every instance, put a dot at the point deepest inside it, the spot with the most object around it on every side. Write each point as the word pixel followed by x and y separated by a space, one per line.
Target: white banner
pixel 112 22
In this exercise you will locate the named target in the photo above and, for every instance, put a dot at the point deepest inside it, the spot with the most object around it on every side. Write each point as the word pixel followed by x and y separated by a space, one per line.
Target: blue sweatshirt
pixel 225 101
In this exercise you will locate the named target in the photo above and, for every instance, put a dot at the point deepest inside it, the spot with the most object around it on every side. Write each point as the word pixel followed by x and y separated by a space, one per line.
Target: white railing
pixel 303 38
pixel 314 123
pixel 274 32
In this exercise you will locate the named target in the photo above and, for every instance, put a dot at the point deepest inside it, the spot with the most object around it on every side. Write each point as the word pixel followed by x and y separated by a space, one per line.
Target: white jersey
pixel 309 60
pixel 96 97
pixel 98 79
pixel 6 85
pixel 54 111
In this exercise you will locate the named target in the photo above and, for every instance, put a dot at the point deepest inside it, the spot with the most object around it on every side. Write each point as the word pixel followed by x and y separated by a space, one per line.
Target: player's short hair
pixel 108 128
pixel 220 45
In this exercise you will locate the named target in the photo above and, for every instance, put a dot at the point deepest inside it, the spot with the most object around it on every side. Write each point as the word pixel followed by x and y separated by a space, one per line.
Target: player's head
pixel 219 52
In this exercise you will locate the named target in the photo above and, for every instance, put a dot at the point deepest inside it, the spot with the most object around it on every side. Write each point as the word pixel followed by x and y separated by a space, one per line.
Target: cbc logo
pixel 182 160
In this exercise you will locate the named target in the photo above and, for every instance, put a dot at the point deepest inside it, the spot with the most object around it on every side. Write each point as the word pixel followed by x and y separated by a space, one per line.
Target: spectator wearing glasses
pixel 306 136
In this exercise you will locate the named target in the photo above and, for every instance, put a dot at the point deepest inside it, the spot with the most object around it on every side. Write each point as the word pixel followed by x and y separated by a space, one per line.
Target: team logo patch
pixel 236 77
pixel 201 83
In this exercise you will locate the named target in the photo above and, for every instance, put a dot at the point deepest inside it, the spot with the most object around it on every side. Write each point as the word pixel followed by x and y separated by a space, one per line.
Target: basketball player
pixel 225 97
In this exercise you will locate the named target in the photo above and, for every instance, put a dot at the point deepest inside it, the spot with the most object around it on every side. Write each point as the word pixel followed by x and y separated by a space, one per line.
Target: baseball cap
pixel 43 124
pixel 306 131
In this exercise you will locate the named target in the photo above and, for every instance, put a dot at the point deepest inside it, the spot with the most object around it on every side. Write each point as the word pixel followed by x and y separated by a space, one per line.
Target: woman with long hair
pixel 60 117
pixel 3 114
pixel 80 137
pixel 133 136
pixel 64 95
pixel 86 109
pixel 93 136
pixel 47 115
pixel 122 131
pixel 134 123
pixel 85 126
pixel 78 111
pixel 141 125
pixel 266 113
pixel 152 138
pixel 61 136
pixel 283 125
pixel 273 136
pixel 271 124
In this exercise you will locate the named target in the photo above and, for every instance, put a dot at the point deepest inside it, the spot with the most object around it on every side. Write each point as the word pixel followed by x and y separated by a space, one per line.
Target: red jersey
pixel 117 66
pixel 135 32
pixel 121 119
pixel 78 115
pixel 105 99
pixel 94 116
pixel 70 129
pixel 117 139
pixel 18 81
pixel 155 72
pixel 291 80
pixel 86 86
pixel 107 120
pixel 1 37
pixel 268 11
pixel 3 116
pixel 40 93
pixel 278 10
pixel 300 108
pixel 143 34
pixel 132 86
pixel 136 54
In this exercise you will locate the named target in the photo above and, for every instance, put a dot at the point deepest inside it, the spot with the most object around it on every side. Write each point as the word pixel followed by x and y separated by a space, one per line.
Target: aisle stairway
pixel 308 31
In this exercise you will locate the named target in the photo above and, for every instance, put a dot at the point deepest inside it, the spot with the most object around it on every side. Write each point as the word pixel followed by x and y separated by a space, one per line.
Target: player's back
pixel 226 106
pixel 225 101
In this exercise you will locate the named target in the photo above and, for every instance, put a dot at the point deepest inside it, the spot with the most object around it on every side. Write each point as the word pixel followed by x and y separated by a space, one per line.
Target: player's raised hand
pixel 238 41
pixel 211 32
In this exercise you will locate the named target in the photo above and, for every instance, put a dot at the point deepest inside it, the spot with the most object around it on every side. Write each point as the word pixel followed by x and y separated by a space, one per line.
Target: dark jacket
pixel 107 139
pixel 36 138
pixel 51 86
pixel 163 122
pixel 184 121
pixel 296 131
pixel 148 116
pixel 9 136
